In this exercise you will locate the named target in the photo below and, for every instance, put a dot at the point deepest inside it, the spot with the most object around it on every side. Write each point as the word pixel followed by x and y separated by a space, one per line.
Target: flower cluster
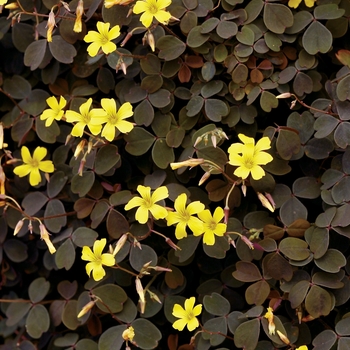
pixel 93 118
pixel 205 224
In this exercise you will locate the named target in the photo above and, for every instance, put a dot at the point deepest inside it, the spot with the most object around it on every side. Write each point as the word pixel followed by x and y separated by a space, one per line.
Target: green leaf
pixel 292 210
pixel 319 241
pixel 86 344
pixel 162 154
pixel 341 191
pixel 343 327
pixel 170 47
pixel 247 334
pixel 68 339
pixel 144 113
pixel 38 289
pixel 113 297
pixel 318 302
pixel 325 340
pixel 216 304
pixel 139 257
pixel 294 248
pixel 65 255
pixel 257 293
pixel 107 157
pixel 217 328
pixel 150 64
pixel 81 185
pixel 67 289
pixel 317 38
pixel 112 338
pixel 288 144
pixel 246 36
pixel 35 53
pixel 116 224
pixel 328 11
pixel 138 141
pixel 268 101
pixel 194 106
pixel 187 246
pixel 17 87
pixel 16 312
pixel 38 321
pixel 16 250
pixel 247 272
pixel 318 148
pixel 342 135
pixel 152 83
pixel 69 315
pixel 332 261
pixel 147 334
pixel 298 293
pixel 277 17
pixel 84 236
pixel 55 208
pixel 47 134
pixel 175 137
pixel 226 29
pixel 208 71
pixel 324 125
pixel 61 50
pixel 306 187
pixel 195 37
pixel 215 109
pixel 56 184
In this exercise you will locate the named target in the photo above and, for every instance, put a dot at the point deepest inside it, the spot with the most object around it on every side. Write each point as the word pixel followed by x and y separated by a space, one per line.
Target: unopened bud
pixel 30 227
pixel 160 268
pixel 2 180
pixel 151 42
pixel 213 140
pixel 80 148
pixel 198 140
pixel 204 178
pixel 1 136
pixel 81 167
pixel 120 243
pixel 86 308
pixel 265 202
pixel 89 148
pixel 139 290
pixel 18 227
pixel 65 5
pixel 154 296
pixel 244 189
pixel 192 162
pixel 284 95
pixel 12 6
pixel 283 337
pixel 172 244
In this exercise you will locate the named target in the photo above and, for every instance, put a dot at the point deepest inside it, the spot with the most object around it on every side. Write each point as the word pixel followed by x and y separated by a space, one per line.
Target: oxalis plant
pixel 174 174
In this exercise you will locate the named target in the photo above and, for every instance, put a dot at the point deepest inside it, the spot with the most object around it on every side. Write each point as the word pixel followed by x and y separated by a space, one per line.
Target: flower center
pixel 185 216
pixel 249 163
pixel 212 225
pixel 113 119
pixel 34 163
pixel 86 118
pixel 104 40
pixel 153 8
pixel 148 203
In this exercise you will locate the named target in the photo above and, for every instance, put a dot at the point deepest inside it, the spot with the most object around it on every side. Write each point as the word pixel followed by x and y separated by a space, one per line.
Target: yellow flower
pixel 102 39
pixel 295 3
pixel 3 2
pixel 152 8
pixel 303 347
pixel 187 316
pixel 32 166
pixel 191 162
pixel 51 24
pixel 269 316
pixel 212 225
pixel 44 235
pixel 147 203
pixel 183 217
pixel 97 259
pixel 86 117
pixel 115 119
pixel 252 156
pixel 56 112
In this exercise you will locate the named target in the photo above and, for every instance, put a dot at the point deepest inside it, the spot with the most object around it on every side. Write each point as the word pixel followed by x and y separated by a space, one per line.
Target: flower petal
pixel 246 140
pixel 180 231
pixel 22 170
pixel 108 132
pixel 209 238
pixel 195 207
pixel 134 202
pixel 141 215
pixel 242 172
pixel 146 19
pixel 87 254
pixel 140 6
pixel 162 16
pixel 158 211
pixel 99 246
pixel 263 144
pixel 108 259
pixel 46 166
pixel 180 202
pixel 196 226
pixel 78 129
pixel 192 324
pixel 179 311
pixel 160 193
pixel 124 126
pixel 34 177
pixel 109 47
pixel 197 310
pixel 144 191
pixel 125 110
pixel 189 304
pixel 26 157
pixel 114 32
pixel 98 272
pixel 89 267
pixel 218 214
pixel 257 172
pixel 180 324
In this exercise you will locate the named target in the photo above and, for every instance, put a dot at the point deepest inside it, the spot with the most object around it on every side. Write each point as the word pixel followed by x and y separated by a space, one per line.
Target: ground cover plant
pixel 174 174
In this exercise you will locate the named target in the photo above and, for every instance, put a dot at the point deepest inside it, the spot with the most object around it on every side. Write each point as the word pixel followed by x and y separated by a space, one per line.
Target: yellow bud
pixel 128 334
pixel 51 23
pixel 45 237
pixel 265 202
pixel 86 308
pixel 18 227
pixel 283 337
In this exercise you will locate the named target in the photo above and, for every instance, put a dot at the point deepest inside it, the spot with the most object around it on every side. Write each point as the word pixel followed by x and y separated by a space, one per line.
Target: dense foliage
pixel 174 174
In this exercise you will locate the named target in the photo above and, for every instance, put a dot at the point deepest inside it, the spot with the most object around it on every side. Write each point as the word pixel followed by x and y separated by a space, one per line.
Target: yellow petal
pixel 93 49
pixel 263 144
pixel 257 172
pixel 160 193
pixel 294 3
pixel 209 238
pixel 108 259
pixel 189 304
pixel 109 105
pixel 192 324
pixel 98 272
pixel 46 166
pixel 218 214
pixel 245 139
pixel 108 132
pixel 197 310
pixel 179 324
pixel 140 6
pixel 114 32
pixel 103 28
pixel 87 254
pixel 162 16
pixel 99 246
pixel 180 202
pixel 124 126
pixel 26 157
pixel 158 212
pixel 34 177
pixel 146 19
pixel 109 47
pixel 180 231
pixel 134 202
pixel 78 129
pixel 22 170
pixel 141 215
pixel 179 311
pixel 125 111
pixel 72 116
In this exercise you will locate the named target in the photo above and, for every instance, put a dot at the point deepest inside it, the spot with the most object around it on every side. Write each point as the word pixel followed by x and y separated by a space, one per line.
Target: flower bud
pixel 51 23
pixel 151 41
pixel 265 202
pixel 139 290
pixel 172 244
pixel 80 148
pixel 120 244
pixel 284 95
pixel 18 227
pixel 191 162
pixel 247 242
pixel 79 13
pixel 204 178
pixel 86 308
pixel 283 337
pixel 12 6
